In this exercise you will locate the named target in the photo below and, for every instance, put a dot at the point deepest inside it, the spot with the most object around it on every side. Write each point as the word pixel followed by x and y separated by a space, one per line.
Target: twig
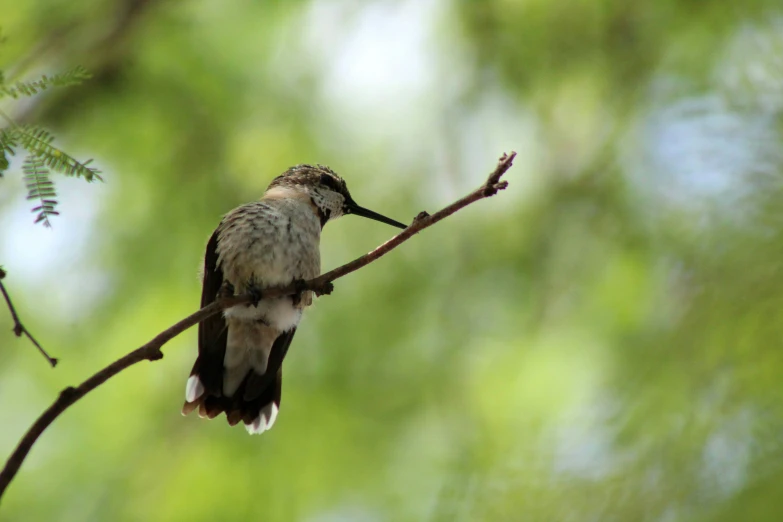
pixel 19 328
pixel 320 285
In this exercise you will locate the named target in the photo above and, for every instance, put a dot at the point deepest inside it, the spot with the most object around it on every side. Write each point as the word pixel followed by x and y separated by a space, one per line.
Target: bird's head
pixel 327 192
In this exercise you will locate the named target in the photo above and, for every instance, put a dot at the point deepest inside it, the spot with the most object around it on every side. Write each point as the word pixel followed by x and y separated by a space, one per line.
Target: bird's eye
pixel 327 180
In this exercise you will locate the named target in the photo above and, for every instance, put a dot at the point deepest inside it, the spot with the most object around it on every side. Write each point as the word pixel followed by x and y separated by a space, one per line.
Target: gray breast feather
pixel 269 243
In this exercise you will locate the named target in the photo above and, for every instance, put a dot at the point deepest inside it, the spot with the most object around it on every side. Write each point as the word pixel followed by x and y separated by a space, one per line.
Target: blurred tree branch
pixel 19 328
pixel 321 285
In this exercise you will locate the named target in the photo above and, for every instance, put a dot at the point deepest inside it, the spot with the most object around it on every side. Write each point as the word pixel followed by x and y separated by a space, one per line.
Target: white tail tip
pixel 193 389
pixel 265 420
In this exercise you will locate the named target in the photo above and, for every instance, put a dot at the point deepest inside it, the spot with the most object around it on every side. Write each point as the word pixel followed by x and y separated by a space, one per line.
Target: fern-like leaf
pixel 40 187
pixel 73 77
pixel 7 144
pixel 38 142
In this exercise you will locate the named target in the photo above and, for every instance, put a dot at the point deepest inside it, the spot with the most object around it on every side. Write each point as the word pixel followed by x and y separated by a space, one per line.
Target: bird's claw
pixel 300 287
pixel 226 290
pixel 255 295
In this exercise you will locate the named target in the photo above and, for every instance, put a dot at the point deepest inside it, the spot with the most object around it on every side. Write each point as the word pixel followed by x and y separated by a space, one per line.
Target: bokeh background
pixel 601 342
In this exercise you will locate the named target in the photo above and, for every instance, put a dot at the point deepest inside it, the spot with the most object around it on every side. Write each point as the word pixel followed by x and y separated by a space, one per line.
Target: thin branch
pixel 19 328
pixel 320 285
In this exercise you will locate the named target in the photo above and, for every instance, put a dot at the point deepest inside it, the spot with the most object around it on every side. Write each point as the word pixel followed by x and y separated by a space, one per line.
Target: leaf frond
pixel 38 142
pixel 74 76
pixel 40 187
pixel 7 144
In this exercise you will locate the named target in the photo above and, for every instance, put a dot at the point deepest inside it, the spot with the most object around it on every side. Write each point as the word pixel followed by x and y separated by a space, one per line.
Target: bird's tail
pixel 244 379
pixel 255 402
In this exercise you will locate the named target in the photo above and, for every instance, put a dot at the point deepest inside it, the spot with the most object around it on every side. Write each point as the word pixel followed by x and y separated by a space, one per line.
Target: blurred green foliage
pixel 600 342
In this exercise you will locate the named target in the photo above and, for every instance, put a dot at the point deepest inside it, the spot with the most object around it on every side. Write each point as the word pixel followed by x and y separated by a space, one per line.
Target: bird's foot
pixel 255 294
pixel 300 287
pixel 226 290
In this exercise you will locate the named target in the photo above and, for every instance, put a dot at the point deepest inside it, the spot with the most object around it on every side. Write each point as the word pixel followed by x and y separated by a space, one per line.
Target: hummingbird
pixel 270 242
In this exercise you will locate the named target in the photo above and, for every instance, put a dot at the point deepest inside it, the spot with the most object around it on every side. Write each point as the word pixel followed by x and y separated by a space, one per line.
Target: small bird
pixel 270 242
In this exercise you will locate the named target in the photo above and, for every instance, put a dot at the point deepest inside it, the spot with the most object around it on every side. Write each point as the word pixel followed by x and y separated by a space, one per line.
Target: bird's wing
pixel 256 384
pixel 212 332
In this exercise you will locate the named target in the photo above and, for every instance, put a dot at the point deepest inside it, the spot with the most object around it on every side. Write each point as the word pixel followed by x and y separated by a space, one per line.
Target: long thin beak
pixel 352 208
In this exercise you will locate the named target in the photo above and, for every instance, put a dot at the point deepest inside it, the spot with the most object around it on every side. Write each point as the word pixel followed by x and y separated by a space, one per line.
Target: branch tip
pixel 504 163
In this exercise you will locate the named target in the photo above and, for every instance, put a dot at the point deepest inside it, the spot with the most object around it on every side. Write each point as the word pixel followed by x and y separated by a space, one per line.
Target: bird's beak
pixel 352 208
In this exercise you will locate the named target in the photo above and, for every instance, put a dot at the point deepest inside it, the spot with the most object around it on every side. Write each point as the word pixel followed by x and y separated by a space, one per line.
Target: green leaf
pixel 38 142
pixel 6 149
pixel 73 77
pixel 40 187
